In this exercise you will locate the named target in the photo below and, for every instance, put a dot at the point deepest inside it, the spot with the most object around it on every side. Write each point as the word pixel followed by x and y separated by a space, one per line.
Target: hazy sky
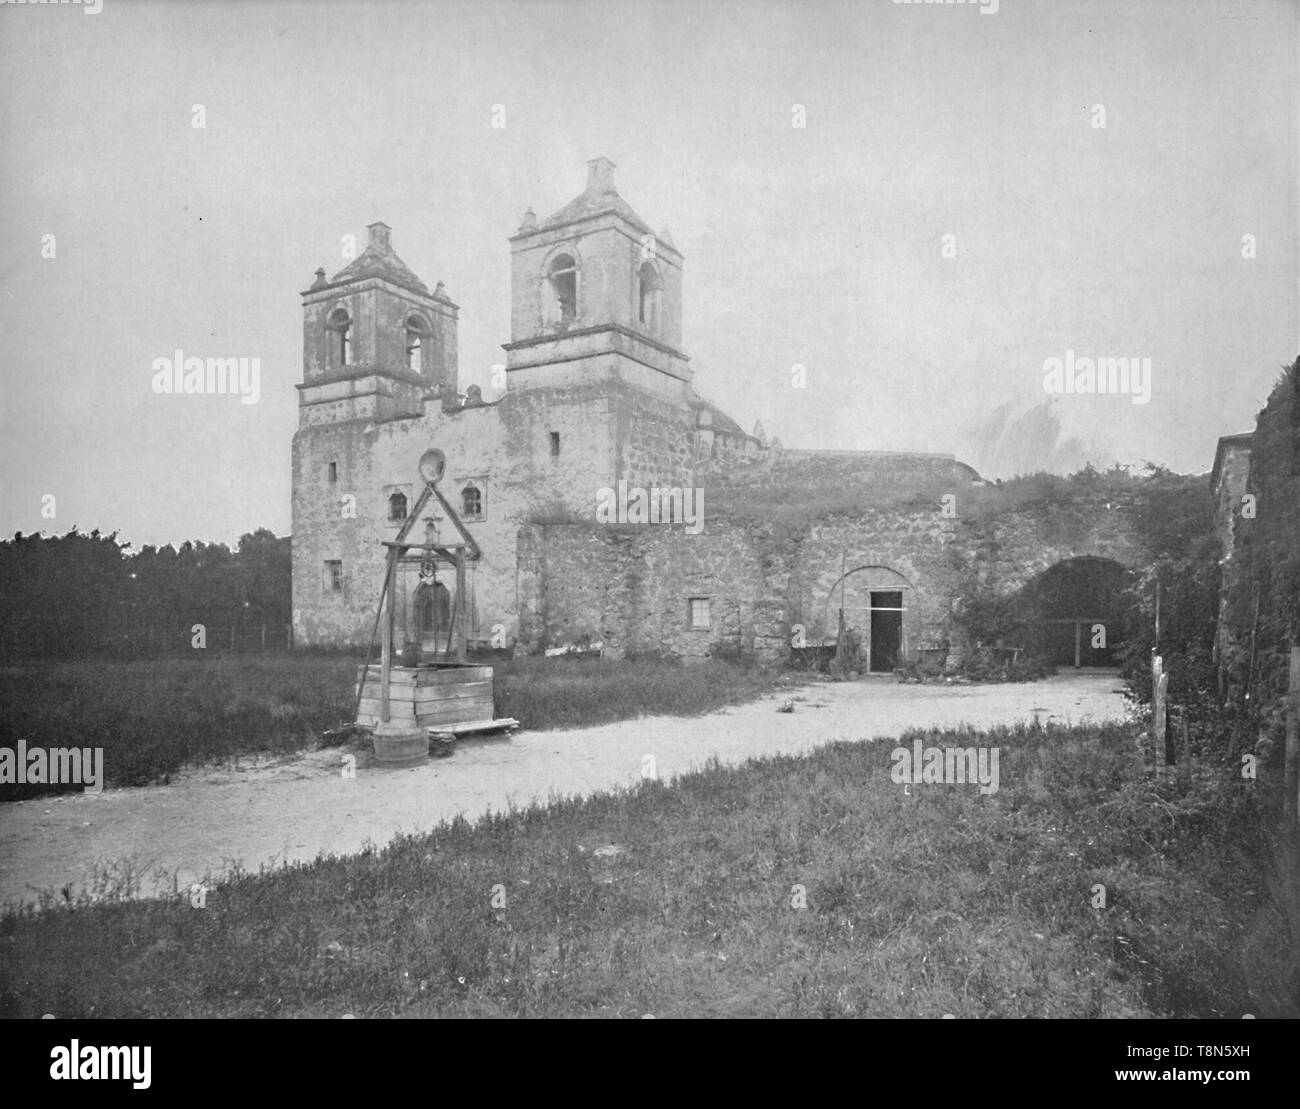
pixel 821 246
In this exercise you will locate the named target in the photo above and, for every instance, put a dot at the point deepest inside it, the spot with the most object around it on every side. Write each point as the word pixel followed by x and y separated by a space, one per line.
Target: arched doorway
pixel 882 611
pixel 1080 602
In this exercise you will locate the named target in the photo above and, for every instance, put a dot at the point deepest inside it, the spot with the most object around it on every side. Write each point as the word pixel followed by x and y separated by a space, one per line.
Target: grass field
pixel 154 716
pixel 786 887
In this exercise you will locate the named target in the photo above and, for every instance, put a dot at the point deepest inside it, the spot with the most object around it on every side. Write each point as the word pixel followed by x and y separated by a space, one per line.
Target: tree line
pixel 78 594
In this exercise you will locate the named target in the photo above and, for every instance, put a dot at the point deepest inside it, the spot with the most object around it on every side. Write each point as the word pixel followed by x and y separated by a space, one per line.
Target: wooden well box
pixel 419 698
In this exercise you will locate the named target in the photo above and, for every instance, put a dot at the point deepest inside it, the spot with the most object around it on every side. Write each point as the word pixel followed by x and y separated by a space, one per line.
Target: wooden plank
pixel 386 654
pixel 459 623
pixel 460 704
pixel 468 711
pixel 462 710
pixel 451 675
pixel 444 721
pixel 472 726
pixel 436 696
pixel 398 710
pixel 485 725
pixel 424 694
pixel 432 704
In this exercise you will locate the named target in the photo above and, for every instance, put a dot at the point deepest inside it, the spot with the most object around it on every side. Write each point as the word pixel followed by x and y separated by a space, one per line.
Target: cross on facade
pixel 431 526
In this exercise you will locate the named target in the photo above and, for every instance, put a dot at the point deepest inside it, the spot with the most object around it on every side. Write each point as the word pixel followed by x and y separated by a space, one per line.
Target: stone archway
pixel 1080 604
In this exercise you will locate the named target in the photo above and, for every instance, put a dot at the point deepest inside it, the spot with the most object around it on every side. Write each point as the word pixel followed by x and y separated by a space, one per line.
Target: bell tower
pixel 595 295
pixel 375 342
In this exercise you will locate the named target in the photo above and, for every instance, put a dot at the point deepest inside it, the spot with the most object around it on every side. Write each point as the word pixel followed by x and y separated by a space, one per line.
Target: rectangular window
pixel 555 444
pixel 334 472
pixel 334 575
pixel 699 613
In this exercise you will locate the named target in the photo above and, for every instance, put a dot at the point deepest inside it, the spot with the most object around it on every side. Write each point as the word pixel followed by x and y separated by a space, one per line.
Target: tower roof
pixel 596 199
pixel 380 260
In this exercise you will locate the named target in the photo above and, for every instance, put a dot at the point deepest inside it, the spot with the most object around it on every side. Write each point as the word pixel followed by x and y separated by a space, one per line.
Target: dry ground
pixel 271 811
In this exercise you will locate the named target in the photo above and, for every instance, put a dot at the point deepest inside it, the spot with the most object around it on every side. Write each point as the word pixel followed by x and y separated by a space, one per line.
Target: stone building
pixel 597 397
pixel 597 392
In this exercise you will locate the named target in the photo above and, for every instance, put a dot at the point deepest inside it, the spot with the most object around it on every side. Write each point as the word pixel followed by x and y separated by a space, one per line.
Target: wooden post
pixel 1157 614
pixel 839 628
pixel 1291 770
pixel 386 655
pixel 1159 683
pixel 461 655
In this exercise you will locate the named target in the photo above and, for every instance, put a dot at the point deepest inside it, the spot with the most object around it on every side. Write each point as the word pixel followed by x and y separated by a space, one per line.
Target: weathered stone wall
pixel 1265 572
pixel 655 442
pixel 607 433
pixel 629 587
pixel 899 469
pixel 374 460
pixel 905 550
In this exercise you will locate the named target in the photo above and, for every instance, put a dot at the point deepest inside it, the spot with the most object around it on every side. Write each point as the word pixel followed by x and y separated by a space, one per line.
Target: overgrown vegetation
pixel 1233 707
pixel 154 716
pixel 1263 600
pixel 680 900
pixel 788 502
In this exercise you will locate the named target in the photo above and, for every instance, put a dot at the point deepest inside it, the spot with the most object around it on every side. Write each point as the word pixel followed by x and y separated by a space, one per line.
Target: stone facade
pixel 597 392
pixel 632 588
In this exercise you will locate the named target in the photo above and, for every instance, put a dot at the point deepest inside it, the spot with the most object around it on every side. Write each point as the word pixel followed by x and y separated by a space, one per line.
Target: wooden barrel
pixel 401 748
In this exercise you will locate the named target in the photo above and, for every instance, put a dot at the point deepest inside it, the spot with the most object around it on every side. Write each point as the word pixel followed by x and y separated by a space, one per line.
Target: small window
pixel 699 613
pixel 414 344
pixel 334 472
pixel 555 444
pixel 340 325
pixel 334 575
pixel 396 508
pixel 471 502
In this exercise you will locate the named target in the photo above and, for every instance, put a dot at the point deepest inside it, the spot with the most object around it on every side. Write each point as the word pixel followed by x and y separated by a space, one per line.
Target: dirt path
pixel 275 811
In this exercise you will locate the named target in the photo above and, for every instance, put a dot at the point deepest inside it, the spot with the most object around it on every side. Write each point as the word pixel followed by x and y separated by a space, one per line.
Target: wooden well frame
pixel 400 703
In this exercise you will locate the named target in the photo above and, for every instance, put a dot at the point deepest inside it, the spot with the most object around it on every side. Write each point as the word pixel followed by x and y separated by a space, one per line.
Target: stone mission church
pixel 598 391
